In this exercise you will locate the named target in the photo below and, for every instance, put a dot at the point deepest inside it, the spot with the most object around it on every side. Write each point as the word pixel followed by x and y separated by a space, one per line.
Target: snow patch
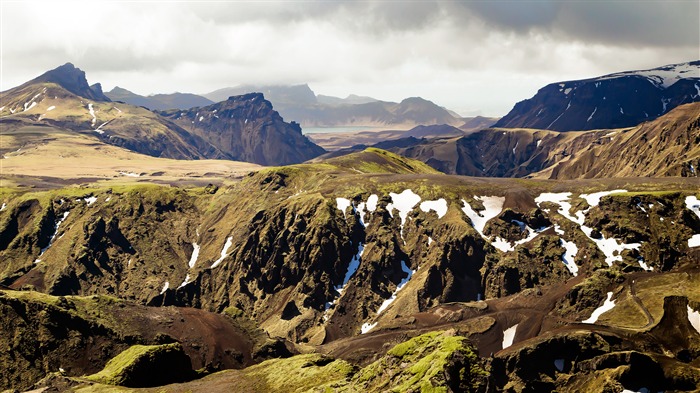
pixel 509 335
pixel 92 113
pixel 342 204
pixel 224 251
pixel 430 241
pixel 33 104
pixel 593 113
pixel 53 237
pixel 439 206
pixel 185 282
pixel 387 302
pixel 694 318
pixel 165 287
pixel 372 202
pixel 569 255
pixel 49 109
pixel 195 255
pixel 352 268
pixel 90 200
pixel 539 141
pixel 694 241
pixel 692 203
pixel 607 306
pixel 493 206
pixel 559 364
pixel 130 174
pixel 404 203
pixel 567 90
pixel 367 327
pixel 4 205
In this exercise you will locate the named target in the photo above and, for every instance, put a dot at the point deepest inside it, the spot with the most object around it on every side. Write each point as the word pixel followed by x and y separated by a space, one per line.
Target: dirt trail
pixel 650 318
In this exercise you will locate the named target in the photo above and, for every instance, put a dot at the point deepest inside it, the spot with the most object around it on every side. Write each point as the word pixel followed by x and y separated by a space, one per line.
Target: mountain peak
pixel 72 79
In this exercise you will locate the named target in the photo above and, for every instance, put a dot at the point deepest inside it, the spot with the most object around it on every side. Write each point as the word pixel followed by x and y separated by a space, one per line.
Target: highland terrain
pixel 137 255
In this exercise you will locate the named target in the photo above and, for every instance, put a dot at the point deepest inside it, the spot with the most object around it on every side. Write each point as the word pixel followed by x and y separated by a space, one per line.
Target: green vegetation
pixel 422 364
pixel 146 365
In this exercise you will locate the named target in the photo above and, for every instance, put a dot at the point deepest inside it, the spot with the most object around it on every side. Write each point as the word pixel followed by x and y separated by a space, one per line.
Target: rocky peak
pixel 72 79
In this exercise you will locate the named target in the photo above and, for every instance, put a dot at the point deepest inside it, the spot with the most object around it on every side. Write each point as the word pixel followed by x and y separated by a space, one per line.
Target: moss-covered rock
pixel 432 362
pixel 147 365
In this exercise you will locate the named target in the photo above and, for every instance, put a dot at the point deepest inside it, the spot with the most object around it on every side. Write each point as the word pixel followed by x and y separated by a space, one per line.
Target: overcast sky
pixel 475 57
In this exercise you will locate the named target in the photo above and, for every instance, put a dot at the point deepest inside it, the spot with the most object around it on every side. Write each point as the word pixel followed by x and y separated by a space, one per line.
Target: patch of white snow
pixel 165 287
pixel 224 251
pixel 607 306
pixel 195 255
pixel 342 204
pixel 439 206
pixel 387 302
pixel 694 318
pixel 509 335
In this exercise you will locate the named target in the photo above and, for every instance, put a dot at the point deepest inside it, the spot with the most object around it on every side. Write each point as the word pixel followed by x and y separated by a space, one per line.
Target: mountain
pixel 61 98
pixel 277 94
pixel 70 78
pixel 158 101
pixel 247 128
pixel 667 146
pixel 300 104
pixel 266 140
pixel 380 270
pixel 618 100
pixel 351 99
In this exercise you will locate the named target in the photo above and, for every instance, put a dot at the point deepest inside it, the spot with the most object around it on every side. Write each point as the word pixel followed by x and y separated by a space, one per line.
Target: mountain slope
pixel 667 146
pixel 158 101
pixel 247 128
pixel 618 100
pixel 45 101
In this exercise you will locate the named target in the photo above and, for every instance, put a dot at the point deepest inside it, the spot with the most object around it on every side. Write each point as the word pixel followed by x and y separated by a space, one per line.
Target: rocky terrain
pixel 356 254
pixel 618 100
pixel 247 128
pixel 573 268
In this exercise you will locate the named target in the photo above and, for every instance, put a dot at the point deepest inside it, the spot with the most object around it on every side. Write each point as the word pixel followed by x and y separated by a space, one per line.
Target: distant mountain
pixel 300 104
pixel 667 146
pixel 277 94
pixel 618 100
pixel 477 123
pixel 158 101
pixel 352 99
pixel 247 128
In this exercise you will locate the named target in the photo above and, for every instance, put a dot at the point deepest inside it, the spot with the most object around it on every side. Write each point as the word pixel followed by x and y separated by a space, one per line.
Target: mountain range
pixel 136 256
pixel 62 98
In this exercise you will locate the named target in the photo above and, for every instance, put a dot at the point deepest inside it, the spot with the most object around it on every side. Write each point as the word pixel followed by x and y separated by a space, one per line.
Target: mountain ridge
pixel 618 100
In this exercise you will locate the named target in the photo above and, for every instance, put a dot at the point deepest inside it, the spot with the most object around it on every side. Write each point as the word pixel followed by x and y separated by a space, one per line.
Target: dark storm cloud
pixel 645 23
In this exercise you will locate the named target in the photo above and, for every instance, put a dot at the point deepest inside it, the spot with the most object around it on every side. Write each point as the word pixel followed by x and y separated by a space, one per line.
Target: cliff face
pixel 247 128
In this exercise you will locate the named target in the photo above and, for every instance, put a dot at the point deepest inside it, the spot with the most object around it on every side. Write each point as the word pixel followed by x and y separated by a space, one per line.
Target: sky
pixel 474 57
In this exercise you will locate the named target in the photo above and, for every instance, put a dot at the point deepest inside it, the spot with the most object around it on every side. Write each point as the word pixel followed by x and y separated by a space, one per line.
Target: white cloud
pixel 475 57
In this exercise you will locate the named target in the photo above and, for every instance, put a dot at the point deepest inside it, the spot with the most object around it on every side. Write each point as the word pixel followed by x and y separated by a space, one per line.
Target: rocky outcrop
pixel 72 79
pixel 247 128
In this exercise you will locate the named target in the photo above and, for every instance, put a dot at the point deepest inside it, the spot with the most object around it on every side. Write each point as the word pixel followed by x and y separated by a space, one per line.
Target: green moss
pixel 133 364
pixel 421 363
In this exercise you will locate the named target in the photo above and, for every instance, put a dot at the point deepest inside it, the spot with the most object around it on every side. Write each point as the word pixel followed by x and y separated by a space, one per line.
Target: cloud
pixel 459 54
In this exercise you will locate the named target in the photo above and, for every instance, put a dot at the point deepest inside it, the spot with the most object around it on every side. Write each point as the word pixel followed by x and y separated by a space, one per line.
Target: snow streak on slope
pixel 224 251
pixel 607 306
